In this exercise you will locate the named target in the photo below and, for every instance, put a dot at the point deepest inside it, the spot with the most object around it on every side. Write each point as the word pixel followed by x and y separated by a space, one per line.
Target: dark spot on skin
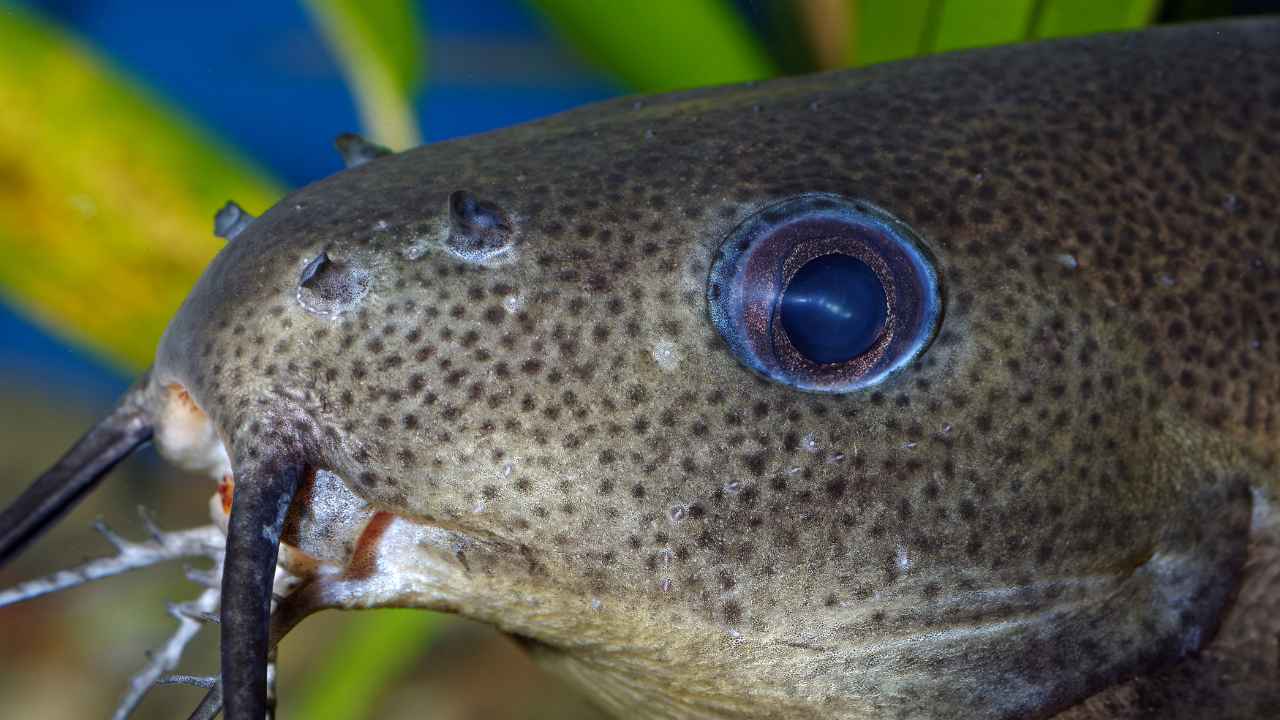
pixel 732 612
pixel 637 394
pixel 755 463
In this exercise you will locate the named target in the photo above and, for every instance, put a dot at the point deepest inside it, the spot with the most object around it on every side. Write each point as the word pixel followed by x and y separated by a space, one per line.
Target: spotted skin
pixel 1062 507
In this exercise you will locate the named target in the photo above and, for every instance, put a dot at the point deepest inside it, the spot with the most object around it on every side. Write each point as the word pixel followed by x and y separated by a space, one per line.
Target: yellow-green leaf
pixel 373 650
pixel 978 23
pixel 1080 17
pixel 380 46
pixel 106 196
pixel 654 45
pixel 897 29
pixel 889 29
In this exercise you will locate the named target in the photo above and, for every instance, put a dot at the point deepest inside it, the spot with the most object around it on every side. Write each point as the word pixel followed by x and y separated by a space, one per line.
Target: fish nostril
pixel 313 268
pixel 328 287
pixel 479 231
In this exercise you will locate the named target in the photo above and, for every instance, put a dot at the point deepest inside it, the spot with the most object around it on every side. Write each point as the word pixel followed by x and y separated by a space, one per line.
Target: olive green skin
pixel 1065 505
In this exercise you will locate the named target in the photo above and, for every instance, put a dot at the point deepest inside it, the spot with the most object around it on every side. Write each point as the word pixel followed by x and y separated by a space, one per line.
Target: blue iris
pixel 834 309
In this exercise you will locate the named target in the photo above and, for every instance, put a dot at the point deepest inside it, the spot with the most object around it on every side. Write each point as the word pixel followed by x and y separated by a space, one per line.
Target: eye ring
pixel 824 294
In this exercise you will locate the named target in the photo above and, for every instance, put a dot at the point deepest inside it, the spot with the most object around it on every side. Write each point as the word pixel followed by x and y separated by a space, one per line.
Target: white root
pixel 191 616
pixel 206 541
pixel 201 681
pixel 165 660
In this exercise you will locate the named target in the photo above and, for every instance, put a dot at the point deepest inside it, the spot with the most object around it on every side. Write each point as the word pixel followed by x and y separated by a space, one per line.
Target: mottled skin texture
pixel 1068 497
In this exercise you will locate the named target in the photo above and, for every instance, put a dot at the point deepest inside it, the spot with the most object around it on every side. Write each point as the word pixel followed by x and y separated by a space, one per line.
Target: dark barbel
pixel 124 430
pixel 258 510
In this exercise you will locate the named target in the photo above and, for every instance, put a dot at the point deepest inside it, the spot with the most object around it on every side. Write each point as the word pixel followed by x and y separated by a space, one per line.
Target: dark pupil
pixel 834 309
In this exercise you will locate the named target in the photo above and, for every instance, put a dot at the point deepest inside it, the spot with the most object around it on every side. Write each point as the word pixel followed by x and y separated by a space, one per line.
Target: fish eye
pixel 824 294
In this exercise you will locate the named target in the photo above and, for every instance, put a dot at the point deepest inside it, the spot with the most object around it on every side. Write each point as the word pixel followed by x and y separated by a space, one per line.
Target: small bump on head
pixel 230 221
pixel 329 287
pixel 479 231
pixel 357 151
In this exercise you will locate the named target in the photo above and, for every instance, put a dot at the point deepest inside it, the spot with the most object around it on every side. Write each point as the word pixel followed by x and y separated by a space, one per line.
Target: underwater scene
pixel 126 125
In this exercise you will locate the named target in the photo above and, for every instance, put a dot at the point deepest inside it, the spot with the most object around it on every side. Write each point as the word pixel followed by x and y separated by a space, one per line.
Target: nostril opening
pixel 463 206
pixel 329 287
pixel 314 268
pixel 479 231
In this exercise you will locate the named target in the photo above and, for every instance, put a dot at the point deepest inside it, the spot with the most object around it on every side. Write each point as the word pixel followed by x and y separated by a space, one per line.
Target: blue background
pixel 259 75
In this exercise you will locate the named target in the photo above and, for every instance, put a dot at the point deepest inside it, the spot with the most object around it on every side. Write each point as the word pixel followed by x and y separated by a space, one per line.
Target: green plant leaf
pixel 889 30
pixel 1059 18
pixel 106 195
pixel 655 45
pixel 373 650
pixel 380 45
pixel 892 30
pixel 979 23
